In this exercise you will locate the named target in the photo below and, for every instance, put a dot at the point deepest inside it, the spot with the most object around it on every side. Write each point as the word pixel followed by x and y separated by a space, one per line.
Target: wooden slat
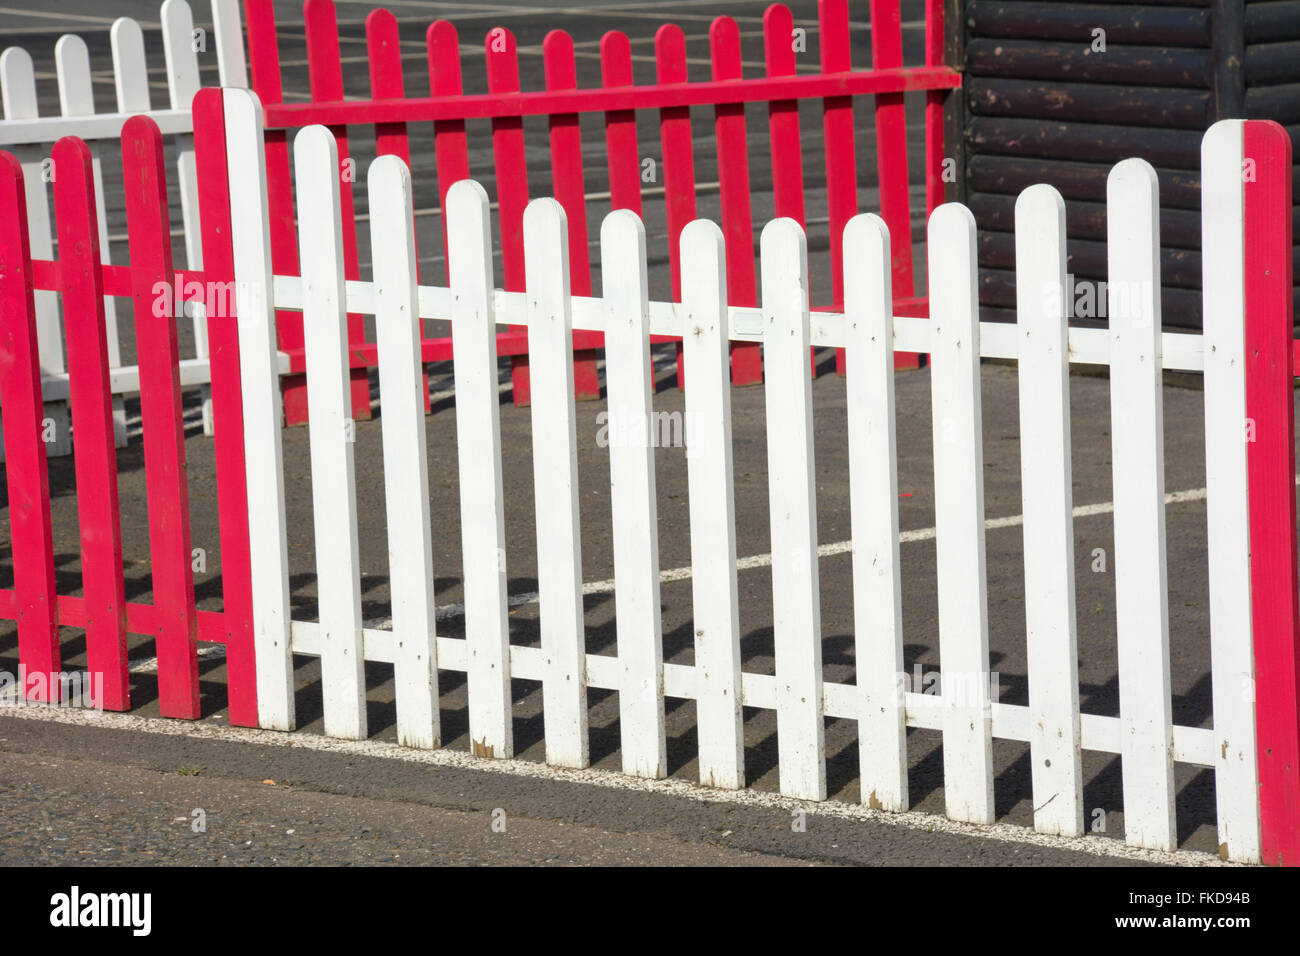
pixel 451 152
pixel 566 179
pixel 1048 504
pixel 325 78
pixel 160 407
pixel 227 408
pixel 677 162
pixel 98 514
pixel 621 150
pixel 555 485
pixel 796 598
pixel 959 516
pixel 31 530
pixel 714 591
pixel 633 507
pixel 333 486
pixel 1137 461
pixel 482 501
pixel 734 189
pixel 1227 485
pixel 873 499
pixel 1268 252
pixel 406 469
pixel 251 242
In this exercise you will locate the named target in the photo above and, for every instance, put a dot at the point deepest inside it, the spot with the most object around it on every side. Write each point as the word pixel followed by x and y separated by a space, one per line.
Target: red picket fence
pixel 391 113
pixel 82 277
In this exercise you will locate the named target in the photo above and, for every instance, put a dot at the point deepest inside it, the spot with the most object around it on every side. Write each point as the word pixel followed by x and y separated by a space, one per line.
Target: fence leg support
pixel 1270 433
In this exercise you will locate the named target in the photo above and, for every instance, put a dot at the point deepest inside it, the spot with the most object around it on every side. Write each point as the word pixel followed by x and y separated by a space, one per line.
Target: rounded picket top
pixel 544 215
pixel 783 240
pixel 243 113
pixel 314 140
pixel 466 201
pixel 385 169
pixel 866 241
pixel 1039 201
pixel 1223 139
pixel 622 225
pixel 702 244
pixel 1133 185
pixel 130 72
pixel 17 83
pixel 951 218
pixel 623 261
pixel 72 67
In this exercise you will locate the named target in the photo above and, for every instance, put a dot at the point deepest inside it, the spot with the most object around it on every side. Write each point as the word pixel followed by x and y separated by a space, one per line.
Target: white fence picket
pixel 406 468
pixel 182 83
pixel 250 234
pixel 232 66
pixel 633 507
pixel 873 502
pixel 1227 490
pixel 792 509
pixel 1138 465
pixel 331 430
pixel 77 98
pixel 18 85
pixel 711 488
pixel 959 516
pixel 1048 503
pixel 482 501
pixel 555 482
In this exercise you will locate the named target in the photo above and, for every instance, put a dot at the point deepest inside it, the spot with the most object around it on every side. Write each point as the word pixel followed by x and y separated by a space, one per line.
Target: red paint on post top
pixel 1275 600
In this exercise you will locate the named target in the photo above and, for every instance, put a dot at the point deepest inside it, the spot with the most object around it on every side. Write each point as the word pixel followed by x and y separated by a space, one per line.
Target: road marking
pixel 1099 846
pixel 449 612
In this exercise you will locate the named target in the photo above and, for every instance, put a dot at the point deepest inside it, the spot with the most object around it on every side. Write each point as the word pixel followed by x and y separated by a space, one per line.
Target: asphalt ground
pixel 81 762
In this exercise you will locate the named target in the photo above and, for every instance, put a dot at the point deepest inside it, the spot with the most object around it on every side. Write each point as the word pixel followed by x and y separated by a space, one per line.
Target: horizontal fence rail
pixel 969 716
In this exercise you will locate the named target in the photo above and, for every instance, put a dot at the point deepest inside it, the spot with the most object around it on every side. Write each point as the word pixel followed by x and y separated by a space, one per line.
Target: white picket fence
pixel 1144 734
pixel 30 136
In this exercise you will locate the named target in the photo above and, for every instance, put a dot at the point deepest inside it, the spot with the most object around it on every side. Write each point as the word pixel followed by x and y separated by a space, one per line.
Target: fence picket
pixel 1047 491
pixel 149 236
pixel 623 158
pixel 633 506
pixel 1137 457
pixel 451 152
pixel 555 477
pixel 796 598
pixel 677 159
pixel 98 514
pixel 511 182
pixel 711 490
pixel 325 79
pixel 182 83
pixel 1227 500
pixel 18 85
pixel 482 500
pixel 228 419
pixel 248 169
pixel 406 469
pixel 959 516
pixel 334 496
pixel 873 490
pixel 31 528
pixel 232 67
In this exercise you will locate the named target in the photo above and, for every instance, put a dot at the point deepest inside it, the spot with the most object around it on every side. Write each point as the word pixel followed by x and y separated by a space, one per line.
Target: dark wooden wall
pixel 1040 105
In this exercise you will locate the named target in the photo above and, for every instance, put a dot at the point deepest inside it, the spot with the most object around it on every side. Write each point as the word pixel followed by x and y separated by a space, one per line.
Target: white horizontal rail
pixel 1181 351
pixel 125 380
pixel 1099 733
pixel 46 129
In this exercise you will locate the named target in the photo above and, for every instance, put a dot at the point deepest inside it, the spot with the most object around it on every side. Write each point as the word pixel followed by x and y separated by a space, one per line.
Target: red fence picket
pixel 82 279
pixel 1270 397
pixel 617 100
pixel 32 602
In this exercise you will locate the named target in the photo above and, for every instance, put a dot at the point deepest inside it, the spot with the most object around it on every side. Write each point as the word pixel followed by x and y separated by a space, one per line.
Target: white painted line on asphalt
pixel 451 611
pixel 1098 846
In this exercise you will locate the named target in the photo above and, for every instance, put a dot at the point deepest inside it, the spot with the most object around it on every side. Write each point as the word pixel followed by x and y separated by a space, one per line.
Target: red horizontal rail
pixel 594 100
pixel 71 611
